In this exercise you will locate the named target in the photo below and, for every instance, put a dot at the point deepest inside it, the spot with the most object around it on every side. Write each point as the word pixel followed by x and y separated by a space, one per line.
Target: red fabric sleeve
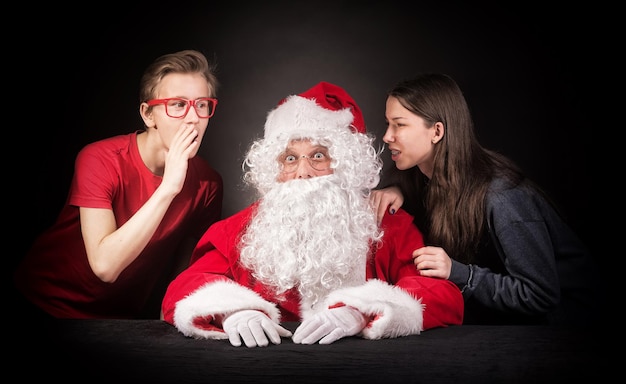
pixel 393 262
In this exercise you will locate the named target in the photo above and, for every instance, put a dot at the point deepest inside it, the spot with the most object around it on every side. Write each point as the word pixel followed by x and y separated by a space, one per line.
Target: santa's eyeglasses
pixel 320 161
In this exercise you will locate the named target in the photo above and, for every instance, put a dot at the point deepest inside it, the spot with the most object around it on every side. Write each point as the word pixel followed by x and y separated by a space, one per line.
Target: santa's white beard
pixel 310 234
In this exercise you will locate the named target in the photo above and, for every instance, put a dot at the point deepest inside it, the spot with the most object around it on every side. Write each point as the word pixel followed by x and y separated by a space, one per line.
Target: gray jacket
pixel 532 268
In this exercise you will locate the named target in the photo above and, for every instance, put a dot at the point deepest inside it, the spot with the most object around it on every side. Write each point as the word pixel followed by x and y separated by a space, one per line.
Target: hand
pixel 254 327
pixel 330 325
pixel 177 158
pixel 386 199
pixel 432 262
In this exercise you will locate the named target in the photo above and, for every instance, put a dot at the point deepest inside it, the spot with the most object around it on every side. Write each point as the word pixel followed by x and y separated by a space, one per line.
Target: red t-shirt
pixel 110 173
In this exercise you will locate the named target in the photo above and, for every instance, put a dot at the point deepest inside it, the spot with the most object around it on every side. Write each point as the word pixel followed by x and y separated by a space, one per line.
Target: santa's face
pixel 303 160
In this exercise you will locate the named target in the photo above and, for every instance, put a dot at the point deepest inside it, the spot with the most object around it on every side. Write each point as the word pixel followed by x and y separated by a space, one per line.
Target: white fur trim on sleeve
pixel 394 311
pixel 219 298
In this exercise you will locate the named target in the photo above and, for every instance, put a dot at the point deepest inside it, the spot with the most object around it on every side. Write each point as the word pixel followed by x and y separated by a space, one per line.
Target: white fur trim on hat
pixel 299 116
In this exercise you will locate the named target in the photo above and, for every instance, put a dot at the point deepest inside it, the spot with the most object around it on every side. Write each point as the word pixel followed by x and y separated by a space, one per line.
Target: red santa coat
pixel 394 296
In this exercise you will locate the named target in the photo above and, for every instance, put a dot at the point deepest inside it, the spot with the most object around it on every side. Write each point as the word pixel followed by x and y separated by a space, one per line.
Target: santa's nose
pixel 304 169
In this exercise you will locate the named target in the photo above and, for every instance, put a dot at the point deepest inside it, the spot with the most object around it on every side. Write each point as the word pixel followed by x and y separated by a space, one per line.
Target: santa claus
pixel 309 250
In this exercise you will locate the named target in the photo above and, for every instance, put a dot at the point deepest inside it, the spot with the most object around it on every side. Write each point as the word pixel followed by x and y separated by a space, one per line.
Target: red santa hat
pixel 317 112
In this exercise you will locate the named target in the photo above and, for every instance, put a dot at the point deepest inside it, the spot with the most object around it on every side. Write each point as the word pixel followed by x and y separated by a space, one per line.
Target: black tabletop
pixel 152 351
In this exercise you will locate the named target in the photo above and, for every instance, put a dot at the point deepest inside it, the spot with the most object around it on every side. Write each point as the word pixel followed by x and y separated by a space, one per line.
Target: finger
pixel 393 207
pixel 247 336
pixel 422 265
pixel 380 213
pixel 275 332
pixel 180 135
pixel 284 332
pixel 187 132
pixel 258 333
pixel 333 336
pixel 429 272
pixel 313 335
pixel 427 262
pixel 271 333
pixel 233 337
pixel 420 251
pixel 304 330
pixel 184 139
pixel 189 141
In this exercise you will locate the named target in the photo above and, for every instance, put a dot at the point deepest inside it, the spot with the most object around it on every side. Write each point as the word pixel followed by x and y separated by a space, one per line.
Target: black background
pixel 517 63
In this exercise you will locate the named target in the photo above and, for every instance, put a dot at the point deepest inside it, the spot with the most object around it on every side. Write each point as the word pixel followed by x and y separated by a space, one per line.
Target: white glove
pixel 330 325
pixel 254 327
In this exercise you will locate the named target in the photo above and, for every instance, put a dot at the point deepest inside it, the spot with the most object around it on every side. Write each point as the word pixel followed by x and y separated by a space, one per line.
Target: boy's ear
pixel 146 115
